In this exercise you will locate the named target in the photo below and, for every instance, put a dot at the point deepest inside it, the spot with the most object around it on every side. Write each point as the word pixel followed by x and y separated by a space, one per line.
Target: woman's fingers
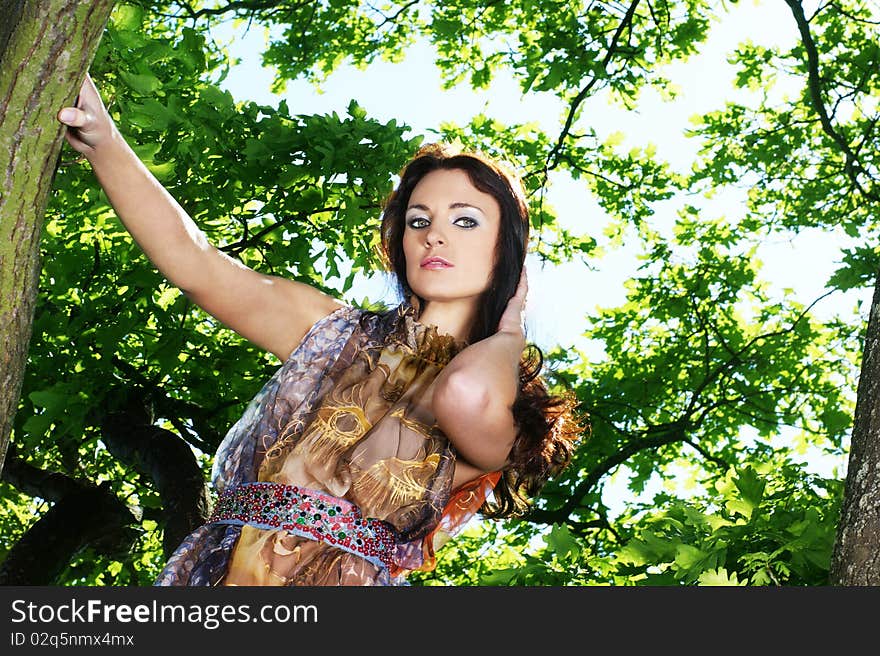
pixel 88 121
pixel 513 318
pixel 73 117
pixel 78 134
pixel 523 289
pixel 89 98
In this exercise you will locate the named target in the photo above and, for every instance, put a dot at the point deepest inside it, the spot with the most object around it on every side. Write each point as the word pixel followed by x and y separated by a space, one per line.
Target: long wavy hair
pixel 547 424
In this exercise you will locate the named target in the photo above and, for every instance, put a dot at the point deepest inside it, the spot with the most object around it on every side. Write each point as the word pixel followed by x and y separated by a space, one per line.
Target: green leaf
pixel 688 557
pixel 163 171
pixel 141 84
pixel 49 399
pixel 750 486
pixel 719 577
pixel 561 541
pixel 356 111
pixel 128 16
pixel 167 297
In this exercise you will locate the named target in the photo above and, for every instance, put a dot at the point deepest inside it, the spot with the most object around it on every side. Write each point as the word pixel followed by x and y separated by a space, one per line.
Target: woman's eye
pixel 466 222
pixel 417 222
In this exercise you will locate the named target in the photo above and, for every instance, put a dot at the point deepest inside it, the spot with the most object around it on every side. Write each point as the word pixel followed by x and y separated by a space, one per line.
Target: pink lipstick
pixel 434 262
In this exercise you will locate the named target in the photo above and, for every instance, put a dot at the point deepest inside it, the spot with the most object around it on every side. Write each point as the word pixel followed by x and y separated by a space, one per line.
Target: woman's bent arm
pixel 474 398
pixel 474 395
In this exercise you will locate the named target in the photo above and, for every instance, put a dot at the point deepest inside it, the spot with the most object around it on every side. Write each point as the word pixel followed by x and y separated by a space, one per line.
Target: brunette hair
pixel 547 427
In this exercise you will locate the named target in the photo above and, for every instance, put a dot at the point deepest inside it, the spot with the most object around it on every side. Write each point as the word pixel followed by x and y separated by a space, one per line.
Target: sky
pixel 561 296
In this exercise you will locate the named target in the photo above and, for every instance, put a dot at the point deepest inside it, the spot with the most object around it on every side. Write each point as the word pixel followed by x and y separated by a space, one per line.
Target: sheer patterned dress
pixel 346 417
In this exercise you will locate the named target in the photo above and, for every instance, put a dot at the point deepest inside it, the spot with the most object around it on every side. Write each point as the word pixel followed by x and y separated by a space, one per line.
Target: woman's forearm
pixel 155 220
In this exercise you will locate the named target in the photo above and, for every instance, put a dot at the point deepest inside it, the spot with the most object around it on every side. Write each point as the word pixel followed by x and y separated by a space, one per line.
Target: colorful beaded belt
pixel 310 514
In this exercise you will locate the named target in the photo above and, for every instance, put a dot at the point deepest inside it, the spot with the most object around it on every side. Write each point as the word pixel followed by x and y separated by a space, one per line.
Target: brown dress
pixel 349 415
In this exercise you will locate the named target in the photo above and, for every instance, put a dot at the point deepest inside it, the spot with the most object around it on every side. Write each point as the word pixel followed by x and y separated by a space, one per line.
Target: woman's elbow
pixel 460 398
pixel 464 411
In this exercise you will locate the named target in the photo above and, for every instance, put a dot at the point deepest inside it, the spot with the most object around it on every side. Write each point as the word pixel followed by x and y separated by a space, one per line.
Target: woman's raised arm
pixel 272 312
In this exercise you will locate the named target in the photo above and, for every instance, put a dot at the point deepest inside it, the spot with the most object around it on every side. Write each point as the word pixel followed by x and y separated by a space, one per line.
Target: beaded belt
pixel 310 514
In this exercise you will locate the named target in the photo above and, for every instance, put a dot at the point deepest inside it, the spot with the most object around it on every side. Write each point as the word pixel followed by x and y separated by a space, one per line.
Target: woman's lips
pixel 435 263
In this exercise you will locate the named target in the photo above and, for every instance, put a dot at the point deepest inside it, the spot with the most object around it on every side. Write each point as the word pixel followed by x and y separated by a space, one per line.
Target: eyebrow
pixel 452 206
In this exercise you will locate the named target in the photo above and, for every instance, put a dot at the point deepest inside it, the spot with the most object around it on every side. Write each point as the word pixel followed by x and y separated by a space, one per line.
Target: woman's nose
pixel 434 236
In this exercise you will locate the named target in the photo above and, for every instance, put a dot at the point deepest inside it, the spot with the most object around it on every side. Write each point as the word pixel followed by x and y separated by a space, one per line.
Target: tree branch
pixel 83 516
pixel 815 85
pixel 553 157
pixel 36 482
pixel 165 458
pixel 664 434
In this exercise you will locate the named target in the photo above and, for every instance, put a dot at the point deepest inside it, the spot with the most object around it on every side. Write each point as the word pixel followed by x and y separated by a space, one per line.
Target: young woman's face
pixel 450 237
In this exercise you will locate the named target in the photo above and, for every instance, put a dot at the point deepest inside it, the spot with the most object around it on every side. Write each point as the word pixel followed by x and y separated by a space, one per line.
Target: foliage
pixel 715 393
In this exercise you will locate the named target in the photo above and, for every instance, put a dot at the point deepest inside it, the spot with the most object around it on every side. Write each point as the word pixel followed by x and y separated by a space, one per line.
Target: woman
pixel 382 432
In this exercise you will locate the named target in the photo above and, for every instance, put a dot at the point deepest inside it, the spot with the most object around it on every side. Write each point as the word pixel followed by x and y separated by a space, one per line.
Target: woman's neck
pixel 454 318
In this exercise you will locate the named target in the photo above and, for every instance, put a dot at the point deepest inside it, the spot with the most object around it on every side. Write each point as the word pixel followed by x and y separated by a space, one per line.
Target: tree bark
pixel 45 51
pixel 11 12
pixel 856 556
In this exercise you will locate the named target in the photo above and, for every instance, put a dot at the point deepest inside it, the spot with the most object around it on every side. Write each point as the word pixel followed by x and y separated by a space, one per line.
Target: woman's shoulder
pixel 341 316
pixel 333 329
pixel 374 322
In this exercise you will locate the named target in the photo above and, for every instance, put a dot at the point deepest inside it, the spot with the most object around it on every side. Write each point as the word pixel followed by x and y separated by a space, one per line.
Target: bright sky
pixel 560 297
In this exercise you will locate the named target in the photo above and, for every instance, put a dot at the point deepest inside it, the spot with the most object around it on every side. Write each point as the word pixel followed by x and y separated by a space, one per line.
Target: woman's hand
pixel 89 124
pixel 513 318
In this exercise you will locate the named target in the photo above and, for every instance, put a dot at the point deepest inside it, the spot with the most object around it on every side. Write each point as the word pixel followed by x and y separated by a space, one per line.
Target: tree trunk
pixel 46 48
pixel 856 556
